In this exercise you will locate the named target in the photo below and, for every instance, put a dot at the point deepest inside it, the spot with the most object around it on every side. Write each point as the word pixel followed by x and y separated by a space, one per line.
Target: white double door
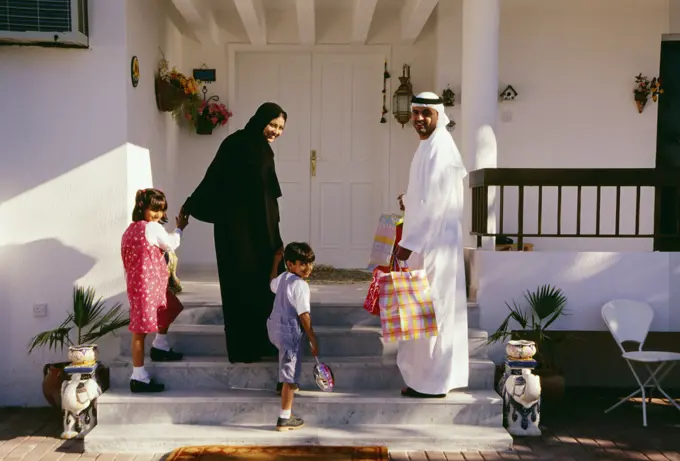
pixel 334 103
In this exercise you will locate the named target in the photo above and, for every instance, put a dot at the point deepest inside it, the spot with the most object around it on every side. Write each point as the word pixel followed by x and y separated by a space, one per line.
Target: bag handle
pixel 397 265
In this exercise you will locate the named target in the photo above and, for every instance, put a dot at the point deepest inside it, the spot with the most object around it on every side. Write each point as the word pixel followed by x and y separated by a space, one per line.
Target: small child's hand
pixel 182 221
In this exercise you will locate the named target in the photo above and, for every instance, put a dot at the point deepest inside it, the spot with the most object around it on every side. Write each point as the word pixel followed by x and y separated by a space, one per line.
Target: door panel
pixel 352 148
pixel 286 80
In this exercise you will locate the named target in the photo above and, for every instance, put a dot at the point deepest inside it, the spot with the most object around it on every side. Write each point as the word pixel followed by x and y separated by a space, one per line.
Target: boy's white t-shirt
pixel 298 292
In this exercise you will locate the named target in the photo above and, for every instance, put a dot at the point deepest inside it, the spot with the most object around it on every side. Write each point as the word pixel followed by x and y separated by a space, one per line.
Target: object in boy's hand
pixel 323 375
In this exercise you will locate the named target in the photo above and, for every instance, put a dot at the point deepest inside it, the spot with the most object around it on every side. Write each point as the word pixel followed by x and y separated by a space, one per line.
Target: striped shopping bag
pixel 406 310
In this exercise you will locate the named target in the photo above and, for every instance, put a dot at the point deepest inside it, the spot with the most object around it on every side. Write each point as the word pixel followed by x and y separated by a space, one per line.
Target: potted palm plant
pixel 544 306
pixel 89 321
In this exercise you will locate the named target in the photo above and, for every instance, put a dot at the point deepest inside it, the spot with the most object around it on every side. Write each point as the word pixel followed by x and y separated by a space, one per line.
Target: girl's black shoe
pixel 139 387
pixel 159 355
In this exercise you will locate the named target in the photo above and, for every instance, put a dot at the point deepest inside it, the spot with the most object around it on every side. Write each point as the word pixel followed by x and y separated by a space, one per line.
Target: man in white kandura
pixel 433 202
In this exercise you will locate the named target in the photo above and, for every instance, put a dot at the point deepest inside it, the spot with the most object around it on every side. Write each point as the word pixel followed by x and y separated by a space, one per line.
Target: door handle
pixel 312 160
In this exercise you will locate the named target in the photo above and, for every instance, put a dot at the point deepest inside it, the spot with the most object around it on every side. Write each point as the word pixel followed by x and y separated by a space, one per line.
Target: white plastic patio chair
pixel 629 320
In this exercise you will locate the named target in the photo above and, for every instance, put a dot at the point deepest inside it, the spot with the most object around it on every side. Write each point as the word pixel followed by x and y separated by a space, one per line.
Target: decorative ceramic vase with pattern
pixel 520 349
pixel 83 355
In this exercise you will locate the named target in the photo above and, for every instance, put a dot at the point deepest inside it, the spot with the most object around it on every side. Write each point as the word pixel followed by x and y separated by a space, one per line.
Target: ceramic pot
pixel 83 355
pixel 53 377
pixel 520 349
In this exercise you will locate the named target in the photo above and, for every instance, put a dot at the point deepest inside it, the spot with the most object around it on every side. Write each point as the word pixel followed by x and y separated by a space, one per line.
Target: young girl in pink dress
pixel 146 273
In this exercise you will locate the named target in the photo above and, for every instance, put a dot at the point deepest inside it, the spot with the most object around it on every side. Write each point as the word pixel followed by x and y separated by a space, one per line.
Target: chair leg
pixel 642 390
pixel 657 382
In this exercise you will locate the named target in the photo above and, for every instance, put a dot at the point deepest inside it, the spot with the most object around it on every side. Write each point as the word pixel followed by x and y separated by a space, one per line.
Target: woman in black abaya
pixel 239 195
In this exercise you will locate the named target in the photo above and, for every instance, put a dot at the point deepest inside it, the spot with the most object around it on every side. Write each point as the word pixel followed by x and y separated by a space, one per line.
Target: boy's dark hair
pixel 298 251
pixel 149 199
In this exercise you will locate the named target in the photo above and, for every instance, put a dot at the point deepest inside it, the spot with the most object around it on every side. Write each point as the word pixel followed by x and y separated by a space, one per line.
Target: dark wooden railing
pixel 665 184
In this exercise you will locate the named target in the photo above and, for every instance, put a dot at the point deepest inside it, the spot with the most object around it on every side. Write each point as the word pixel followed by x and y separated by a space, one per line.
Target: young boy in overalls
pixel 289 323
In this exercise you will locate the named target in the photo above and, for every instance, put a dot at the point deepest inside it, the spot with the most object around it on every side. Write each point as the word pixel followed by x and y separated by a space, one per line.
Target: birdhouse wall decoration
pixel 401 100
pixel 508 94
pixel 644 88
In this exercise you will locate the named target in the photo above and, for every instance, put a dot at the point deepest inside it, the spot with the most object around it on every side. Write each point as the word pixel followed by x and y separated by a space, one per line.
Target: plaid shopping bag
pixel 406 309
pixel 384 239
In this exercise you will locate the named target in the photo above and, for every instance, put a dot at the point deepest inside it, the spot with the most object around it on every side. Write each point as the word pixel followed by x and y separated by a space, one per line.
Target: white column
pixel 479 93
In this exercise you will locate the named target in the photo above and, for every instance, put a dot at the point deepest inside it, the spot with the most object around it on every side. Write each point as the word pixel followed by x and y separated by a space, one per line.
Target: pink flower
pixel 214 120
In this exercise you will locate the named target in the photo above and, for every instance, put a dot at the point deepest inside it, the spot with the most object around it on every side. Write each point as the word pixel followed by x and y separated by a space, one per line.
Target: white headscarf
pixel 441 136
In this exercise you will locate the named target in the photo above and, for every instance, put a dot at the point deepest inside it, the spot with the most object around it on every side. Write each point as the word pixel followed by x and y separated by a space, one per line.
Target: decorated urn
pixel 520 349
pixel 83 355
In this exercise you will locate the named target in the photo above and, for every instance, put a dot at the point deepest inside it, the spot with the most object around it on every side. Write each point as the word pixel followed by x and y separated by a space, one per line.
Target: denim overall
pixel 285 332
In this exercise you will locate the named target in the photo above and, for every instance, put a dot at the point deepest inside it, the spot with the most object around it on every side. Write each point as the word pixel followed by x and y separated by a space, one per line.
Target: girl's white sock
pixel 140 374
pixel 161 342
pixel 284 414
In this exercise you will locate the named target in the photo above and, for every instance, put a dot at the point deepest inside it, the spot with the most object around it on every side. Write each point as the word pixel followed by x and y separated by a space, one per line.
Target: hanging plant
pixel 644 88
pixel 173 88
pixel 205 116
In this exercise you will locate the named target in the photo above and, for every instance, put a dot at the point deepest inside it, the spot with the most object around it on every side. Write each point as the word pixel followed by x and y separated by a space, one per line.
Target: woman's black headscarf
pixel 265 114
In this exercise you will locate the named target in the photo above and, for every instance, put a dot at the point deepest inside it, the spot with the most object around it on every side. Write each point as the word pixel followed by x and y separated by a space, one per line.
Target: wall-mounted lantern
pixel 401 100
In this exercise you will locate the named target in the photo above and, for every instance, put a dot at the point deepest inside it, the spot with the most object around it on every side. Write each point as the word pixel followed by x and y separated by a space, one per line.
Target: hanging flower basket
pixel 168 96
pixel 206 116
pixel 644 88
pixel 173 88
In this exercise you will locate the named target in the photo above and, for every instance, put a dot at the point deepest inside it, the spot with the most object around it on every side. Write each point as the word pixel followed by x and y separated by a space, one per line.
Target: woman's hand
pixel 182 220
pixel 278 256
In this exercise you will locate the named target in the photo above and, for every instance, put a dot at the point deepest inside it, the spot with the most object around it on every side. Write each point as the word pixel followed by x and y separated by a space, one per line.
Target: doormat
pixel 328 275
pixel 301 453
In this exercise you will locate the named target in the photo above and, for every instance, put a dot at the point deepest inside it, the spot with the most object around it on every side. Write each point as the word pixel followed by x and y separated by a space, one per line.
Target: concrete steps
pixel 211 401
pixel 161 422
pixel 341 341
pixel 216 373
pixel 162 438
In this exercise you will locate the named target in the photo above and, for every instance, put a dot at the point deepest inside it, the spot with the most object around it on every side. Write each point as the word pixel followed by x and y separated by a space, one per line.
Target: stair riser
pixel 348 377
pixel 455 441
pixel 322 315
pixel 331 344
pixel 313 412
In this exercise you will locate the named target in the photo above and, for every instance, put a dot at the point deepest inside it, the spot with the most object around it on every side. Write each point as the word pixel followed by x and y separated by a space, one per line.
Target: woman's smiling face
pixel 274 128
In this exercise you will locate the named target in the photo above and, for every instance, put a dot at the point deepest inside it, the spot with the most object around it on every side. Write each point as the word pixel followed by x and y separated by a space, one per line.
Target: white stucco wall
pixel 78 141
pixel 573 64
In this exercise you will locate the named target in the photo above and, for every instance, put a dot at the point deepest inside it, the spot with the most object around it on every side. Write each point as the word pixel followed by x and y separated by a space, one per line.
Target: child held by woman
pixel 146 272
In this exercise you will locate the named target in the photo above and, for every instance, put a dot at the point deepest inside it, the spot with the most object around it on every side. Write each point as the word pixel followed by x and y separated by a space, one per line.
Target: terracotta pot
pixel 552 386
pixel 54 376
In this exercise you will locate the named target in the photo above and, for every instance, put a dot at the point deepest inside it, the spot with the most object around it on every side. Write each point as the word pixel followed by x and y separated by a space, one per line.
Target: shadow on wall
pixel 28 273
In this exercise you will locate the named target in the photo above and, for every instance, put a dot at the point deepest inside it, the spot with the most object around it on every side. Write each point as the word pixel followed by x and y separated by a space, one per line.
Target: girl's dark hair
pixel 264 115
pixel 298 251
pixel 149 199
